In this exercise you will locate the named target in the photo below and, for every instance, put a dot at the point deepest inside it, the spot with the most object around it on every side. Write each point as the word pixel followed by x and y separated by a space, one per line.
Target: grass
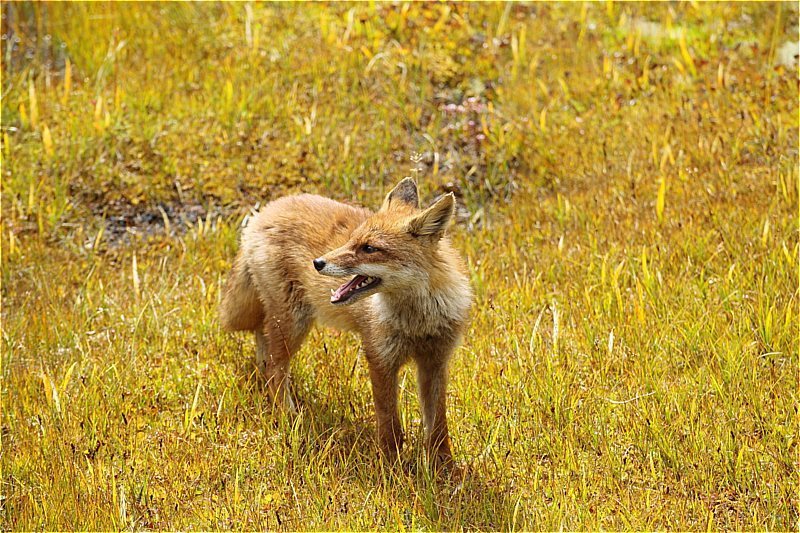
pixel 629 177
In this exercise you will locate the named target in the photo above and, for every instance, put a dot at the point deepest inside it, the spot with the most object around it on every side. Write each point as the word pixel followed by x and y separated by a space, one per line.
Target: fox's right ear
pixel 433 221
pixel 404 193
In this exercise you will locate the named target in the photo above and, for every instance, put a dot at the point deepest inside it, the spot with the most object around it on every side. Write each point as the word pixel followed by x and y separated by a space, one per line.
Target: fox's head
pixel 393 249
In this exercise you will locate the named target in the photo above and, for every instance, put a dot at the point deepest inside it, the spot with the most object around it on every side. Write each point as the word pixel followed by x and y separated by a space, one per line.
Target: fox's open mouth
pixel 353 287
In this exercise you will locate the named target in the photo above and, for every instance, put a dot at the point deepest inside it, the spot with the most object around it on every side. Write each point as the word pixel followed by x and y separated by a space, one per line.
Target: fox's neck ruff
pixel 425 309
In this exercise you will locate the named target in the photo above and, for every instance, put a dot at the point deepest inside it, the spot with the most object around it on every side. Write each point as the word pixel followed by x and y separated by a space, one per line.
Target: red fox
pixel 407 295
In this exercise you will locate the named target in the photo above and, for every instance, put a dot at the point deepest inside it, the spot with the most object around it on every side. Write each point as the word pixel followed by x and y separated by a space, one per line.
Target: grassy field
pixel 628 175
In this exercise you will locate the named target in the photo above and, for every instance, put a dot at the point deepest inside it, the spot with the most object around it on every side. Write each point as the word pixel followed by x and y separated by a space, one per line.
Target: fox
pixel 406 294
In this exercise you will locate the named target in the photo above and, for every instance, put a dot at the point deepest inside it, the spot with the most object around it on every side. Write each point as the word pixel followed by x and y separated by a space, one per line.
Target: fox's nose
pixel 319 264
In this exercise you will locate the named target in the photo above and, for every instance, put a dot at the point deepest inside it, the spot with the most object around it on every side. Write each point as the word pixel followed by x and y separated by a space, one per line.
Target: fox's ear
pixel 404 193
pixel 433 221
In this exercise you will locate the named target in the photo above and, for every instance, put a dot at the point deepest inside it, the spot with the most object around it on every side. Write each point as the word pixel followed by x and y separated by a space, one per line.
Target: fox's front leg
pixel 384 392
pixel 432 382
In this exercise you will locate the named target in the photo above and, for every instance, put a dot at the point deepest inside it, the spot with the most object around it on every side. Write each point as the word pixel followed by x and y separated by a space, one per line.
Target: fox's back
pixel 306 221
pixel 283 238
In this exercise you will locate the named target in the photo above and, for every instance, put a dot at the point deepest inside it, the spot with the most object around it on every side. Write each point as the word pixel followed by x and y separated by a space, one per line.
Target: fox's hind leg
pixel 274 368
pixel 276 343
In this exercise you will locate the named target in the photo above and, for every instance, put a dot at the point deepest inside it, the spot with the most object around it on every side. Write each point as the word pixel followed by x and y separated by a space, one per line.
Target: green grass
pixel 632 239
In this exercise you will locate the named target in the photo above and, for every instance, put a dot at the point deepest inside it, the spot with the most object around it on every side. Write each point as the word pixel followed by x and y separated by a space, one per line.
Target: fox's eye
pixel 367 249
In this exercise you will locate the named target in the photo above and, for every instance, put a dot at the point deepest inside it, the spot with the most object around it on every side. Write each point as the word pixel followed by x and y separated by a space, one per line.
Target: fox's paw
pixel 441 462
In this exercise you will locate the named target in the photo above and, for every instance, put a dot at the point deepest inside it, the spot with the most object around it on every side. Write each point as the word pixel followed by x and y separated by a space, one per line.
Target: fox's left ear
pixel 404 193
pixel 433 221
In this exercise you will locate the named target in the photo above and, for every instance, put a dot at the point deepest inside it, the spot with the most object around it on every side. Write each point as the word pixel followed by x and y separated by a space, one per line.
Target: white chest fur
pixel 423 311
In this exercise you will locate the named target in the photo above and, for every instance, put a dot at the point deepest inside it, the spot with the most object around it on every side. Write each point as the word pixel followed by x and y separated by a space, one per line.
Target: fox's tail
pixel 240 309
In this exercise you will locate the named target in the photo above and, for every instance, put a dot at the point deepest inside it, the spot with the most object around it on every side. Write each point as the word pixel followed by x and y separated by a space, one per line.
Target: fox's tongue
pixel 345 289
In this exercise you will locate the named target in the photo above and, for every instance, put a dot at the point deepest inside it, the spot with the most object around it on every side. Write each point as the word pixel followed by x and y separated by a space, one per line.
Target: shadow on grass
pixel 336 434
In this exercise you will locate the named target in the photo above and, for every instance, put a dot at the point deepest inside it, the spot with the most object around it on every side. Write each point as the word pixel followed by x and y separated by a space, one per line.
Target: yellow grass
pixel 629 181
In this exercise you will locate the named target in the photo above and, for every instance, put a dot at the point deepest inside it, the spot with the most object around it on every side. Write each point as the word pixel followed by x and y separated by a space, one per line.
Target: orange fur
pixel 412 304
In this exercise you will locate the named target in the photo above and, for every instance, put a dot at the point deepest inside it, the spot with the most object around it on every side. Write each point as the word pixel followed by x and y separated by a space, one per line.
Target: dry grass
pixel 631 177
